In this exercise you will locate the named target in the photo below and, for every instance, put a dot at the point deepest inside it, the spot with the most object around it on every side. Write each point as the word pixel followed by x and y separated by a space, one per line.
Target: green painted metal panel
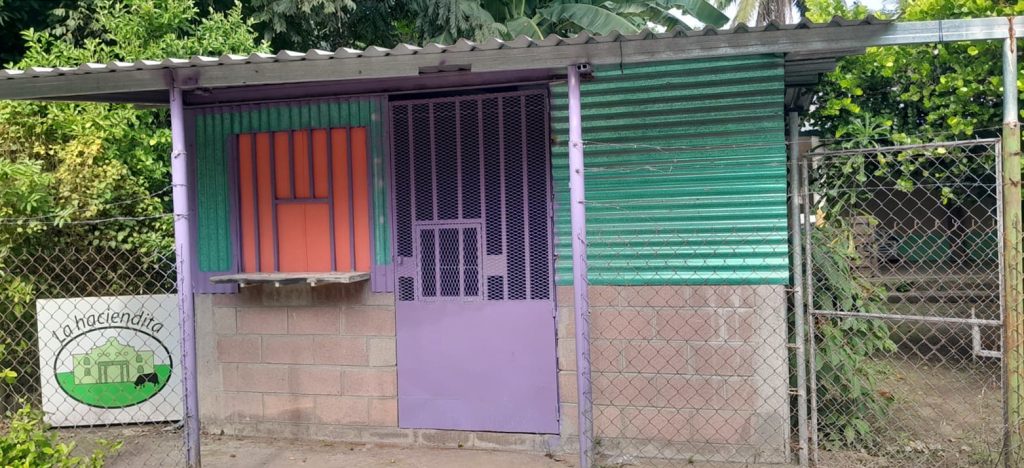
pixel 215 127
pixel 686 175
pixel 382 230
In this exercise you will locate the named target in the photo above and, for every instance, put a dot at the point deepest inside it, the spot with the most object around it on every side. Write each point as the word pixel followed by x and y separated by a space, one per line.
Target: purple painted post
pixel 183 262
pixel 578 215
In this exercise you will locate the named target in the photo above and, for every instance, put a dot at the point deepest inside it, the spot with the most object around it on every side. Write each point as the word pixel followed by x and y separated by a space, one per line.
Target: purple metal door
pixel 475 281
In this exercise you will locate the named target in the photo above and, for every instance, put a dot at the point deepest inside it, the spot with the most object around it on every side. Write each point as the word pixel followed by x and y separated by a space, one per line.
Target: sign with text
pixel 110 360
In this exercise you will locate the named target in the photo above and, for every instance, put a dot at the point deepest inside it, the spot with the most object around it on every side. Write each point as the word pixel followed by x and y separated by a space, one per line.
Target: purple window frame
pixel 382 276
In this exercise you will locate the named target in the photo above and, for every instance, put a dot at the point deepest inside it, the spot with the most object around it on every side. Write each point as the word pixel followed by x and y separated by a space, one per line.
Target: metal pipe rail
pixel 908 318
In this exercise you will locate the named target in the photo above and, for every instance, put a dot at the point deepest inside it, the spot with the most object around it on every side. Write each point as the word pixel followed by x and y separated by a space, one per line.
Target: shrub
pixel 27 442
pixel 849 402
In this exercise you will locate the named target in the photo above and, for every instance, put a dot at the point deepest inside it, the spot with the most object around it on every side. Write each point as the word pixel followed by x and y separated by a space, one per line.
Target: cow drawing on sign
pixel 150 378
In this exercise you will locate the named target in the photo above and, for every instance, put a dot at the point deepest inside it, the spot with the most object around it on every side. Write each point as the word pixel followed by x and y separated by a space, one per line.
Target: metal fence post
pixel 812 357
pixel 578 214
pixel 1014 316
pixel 798 288
pixel 183 264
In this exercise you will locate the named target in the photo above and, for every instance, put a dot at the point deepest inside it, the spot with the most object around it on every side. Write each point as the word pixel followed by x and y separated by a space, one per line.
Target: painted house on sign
pixel 111 362
pixel 381 244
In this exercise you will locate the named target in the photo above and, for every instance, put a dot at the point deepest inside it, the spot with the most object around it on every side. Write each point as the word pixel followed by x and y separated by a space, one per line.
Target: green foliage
pixel 764 11
pixel 129 30
pixel 94 161
pixel 24 193
pixel 596 19
pixel 890 96
pixel 328 24
pixel 942 168
pixel 64 166
pixel 824 10
pixel 19 15
pixel 923 92
pixel 302 21
pixel 444 21
pixel 27 443
pixel 849 403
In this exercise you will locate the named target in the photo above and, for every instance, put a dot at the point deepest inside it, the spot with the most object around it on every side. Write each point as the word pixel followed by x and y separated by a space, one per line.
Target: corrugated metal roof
pixel 462 45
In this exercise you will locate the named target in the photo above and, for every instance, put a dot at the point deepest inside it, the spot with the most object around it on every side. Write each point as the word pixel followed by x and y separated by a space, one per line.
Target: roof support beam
pixel 183 263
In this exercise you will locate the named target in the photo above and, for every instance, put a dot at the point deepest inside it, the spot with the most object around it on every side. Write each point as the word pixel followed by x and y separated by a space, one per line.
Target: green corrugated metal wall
pixel 686 175
pixel 213 130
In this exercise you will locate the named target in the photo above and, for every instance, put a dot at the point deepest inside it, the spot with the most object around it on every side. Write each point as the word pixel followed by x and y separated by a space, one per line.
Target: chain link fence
pixel 90 337
pixel 695 333
pixel 903 254
pixel 688 268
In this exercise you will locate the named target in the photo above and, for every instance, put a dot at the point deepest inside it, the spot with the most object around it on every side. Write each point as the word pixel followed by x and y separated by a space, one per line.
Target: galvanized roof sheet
pixel 462 45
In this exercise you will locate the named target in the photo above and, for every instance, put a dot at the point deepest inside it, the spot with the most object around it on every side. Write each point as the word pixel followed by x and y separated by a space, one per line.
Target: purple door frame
pixel 475 319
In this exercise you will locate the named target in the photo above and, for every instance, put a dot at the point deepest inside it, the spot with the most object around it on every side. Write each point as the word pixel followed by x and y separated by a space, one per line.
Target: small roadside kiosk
pixel 382 245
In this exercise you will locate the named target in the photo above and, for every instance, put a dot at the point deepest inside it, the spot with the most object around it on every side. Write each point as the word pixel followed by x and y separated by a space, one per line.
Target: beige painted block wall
pixel 682 371
pixel 296 354
pixel 316 363
pixel 677 371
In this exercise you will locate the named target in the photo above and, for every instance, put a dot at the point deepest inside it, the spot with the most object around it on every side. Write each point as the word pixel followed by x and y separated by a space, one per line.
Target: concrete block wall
pixel 313 363
pixel 687 372
pixel 296 354
pixel 678 371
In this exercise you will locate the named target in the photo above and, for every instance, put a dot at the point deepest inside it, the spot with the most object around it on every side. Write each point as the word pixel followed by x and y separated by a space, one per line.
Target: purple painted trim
pixel 184 261
pixel 254 164
pixel 525 197
pixel 330 200
pixel 484 264
pixel 356 87
pixel 433 162
pixel 578 215
pixel 504 202
pixel 409 268
pixel 480 96
pixel 458 165
pixel 437 226
pixel 351 201
pixel 301 201
pixel 550 186
pixel 273 193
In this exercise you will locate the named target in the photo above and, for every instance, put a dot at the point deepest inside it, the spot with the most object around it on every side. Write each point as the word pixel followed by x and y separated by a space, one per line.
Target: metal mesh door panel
pixel 479 159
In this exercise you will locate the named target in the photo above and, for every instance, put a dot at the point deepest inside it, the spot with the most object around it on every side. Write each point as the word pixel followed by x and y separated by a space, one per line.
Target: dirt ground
pixel 941 416
pixel 155 445
pixel 160 445
pixel 230 452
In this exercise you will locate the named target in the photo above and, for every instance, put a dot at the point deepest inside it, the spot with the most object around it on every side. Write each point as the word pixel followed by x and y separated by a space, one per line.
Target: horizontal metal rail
pixel 909 318
pixel 921 146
